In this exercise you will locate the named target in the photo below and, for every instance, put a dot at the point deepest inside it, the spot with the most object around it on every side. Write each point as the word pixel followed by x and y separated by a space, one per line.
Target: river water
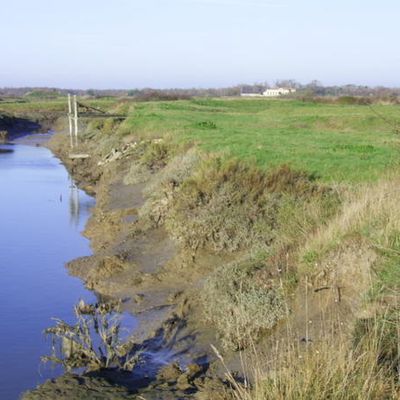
pixel 42 215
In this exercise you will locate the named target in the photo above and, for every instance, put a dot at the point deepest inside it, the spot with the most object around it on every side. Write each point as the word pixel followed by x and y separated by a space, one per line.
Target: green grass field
pixel 342 143
pixel 334 142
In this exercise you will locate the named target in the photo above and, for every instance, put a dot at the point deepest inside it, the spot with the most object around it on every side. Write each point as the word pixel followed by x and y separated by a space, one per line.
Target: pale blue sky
pixel 197 43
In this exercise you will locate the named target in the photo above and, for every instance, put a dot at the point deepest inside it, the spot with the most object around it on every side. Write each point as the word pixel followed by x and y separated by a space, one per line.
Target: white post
pixel 70 120
pixel 76 119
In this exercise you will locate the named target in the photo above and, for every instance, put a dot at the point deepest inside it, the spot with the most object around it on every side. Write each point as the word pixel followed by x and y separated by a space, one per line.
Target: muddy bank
pixel 182 249
pixel 171 384
pixel 158 281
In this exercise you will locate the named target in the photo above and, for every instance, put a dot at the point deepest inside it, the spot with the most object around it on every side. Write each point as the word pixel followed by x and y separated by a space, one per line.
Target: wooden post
pixel 70 120
pixel 76 119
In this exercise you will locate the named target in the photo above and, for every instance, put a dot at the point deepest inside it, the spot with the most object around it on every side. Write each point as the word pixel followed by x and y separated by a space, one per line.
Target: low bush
pixel 206 125
pixel 223 207
pixel 240 304
pixel 349 100
pixel 161 187
pixel 231 206
pixel 155 155
pixel 147 158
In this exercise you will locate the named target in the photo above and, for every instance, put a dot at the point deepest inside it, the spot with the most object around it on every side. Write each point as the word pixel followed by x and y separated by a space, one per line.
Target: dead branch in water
pixel 94 342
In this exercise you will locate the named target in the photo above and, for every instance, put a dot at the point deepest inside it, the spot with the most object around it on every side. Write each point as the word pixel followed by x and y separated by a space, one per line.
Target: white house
pixel 278 92
pixel 251 94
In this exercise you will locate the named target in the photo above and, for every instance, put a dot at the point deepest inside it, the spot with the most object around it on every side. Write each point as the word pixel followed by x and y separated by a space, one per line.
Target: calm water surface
pixel 41 218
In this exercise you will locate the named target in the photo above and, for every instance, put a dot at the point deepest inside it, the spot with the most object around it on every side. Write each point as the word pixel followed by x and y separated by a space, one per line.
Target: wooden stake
pixel 76 119
pixel 70 120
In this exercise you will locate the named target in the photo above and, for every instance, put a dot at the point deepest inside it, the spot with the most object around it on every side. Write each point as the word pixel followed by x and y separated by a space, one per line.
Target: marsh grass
pixel 336 369
pixel 368 214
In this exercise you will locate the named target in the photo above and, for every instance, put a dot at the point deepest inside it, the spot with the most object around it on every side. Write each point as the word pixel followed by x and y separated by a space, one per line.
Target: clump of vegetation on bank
pixel 161 187
pixel 242 303
pixel 231 206
pixel 149 157
pixel 94 342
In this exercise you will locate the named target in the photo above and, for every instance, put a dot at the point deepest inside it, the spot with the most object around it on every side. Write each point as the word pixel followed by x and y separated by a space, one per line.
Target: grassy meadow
pixel 334 142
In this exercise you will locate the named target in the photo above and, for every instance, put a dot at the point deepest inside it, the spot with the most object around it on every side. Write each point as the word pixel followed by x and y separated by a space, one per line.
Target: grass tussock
pixel 366 368
pixel 370 215
pixel 242 304
pixel 222 207
pixel 162 186
pixel 149 156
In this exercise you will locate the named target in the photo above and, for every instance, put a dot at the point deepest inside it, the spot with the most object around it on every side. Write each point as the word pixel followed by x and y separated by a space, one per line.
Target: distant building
pixel 251 94
pixel 278 92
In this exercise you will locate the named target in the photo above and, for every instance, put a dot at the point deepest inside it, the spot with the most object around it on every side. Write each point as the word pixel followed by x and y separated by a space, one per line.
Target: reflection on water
pixel 42 214
pixel 74 206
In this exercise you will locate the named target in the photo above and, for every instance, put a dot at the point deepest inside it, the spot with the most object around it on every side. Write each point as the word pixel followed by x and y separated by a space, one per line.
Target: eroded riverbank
pixel 146 270
pixel 207 250
pixel 157 247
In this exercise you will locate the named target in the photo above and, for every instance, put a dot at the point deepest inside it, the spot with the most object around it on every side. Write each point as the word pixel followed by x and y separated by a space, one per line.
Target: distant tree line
pixel 309 90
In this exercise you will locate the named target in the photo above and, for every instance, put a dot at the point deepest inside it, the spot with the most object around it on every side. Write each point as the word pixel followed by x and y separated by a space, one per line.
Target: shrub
pixel 148 157
pixel 231 206
pixel 206 125
pixel 162 185
pixel 240 304
pixel 222 207
pixel 349 100
pixel 155 155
